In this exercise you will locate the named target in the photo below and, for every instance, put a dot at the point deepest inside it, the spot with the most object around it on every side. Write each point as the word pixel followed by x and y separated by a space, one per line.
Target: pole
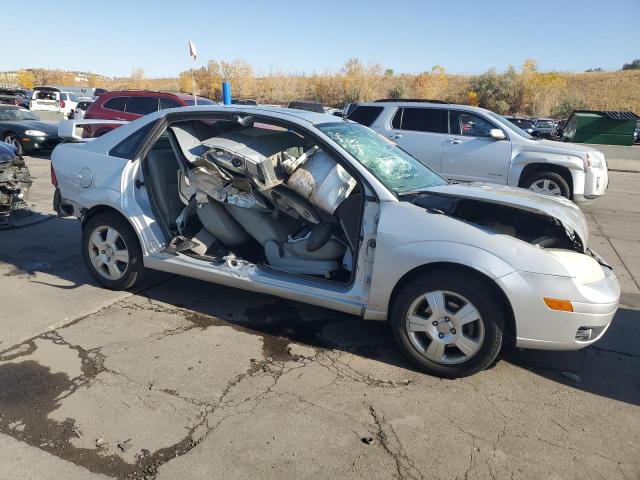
pixel 193 81
pixel 226 93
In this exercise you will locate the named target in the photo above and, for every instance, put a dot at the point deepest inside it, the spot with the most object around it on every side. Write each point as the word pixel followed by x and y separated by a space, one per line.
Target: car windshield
pixel 516 129
pixel 201 101
pixel 394 167
pixel 16 114
pixel 545 123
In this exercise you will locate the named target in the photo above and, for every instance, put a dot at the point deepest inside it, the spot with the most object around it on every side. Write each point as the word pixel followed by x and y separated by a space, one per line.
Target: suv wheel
pixel 548 183
pixel 111 251
pixel 447 324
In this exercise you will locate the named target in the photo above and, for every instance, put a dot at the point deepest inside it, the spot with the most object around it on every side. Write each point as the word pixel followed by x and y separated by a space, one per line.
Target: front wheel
pixel 447 324
pixel 548 183
pixel 11 139
pixel 111 251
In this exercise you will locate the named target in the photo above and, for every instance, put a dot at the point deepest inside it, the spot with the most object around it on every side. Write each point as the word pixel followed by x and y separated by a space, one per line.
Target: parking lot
pixel 184 379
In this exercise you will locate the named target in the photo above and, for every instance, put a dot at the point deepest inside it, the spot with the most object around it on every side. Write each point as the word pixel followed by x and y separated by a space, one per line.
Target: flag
pixel 192 50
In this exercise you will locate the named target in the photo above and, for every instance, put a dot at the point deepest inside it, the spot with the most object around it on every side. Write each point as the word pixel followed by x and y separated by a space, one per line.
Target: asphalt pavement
pixel 190 380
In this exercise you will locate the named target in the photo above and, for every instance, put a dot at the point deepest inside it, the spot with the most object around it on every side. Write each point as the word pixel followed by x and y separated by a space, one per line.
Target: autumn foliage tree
pixel 26 79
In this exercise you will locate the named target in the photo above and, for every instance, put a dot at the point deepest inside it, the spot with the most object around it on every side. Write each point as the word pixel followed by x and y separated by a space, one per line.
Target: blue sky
pixel 464 36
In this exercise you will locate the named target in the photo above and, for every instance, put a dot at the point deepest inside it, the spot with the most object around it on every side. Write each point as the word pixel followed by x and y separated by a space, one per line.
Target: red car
pixel 132 104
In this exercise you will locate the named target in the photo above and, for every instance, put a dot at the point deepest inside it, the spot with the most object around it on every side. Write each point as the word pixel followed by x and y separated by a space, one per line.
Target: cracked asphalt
pixel 189 380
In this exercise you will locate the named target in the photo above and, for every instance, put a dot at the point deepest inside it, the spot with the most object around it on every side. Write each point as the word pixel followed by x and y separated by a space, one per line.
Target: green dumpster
pixel 605 128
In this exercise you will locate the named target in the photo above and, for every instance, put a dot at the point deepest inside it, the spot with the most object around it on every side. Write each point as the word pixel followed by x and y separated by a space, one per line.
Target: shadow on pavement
pixel 609 369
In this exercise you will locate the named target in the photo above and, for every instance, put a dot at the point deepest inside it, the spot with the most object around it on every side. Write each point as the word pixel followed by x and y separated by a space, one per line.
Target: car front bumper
pixel 539 327
pixel 590 185
pixel 30 143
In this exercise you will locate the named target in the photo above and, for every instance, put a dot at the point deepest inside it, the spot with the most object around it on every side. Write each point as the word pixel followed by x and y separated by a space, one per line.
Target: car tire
pixel 111 251
pixel 13 140
pixel 548 183
pixel 464 297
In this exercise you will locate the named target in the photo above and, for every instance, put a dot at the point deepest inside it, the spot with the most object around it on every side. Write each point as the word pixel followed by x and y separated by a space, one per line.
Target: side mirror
pixel 497 134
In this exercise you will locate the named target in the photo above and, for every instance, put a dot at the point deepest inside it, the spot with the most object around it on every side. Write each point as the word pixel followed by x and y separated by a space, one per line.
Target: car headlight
pixel 583 268
pixel 35 133
pixel 593 161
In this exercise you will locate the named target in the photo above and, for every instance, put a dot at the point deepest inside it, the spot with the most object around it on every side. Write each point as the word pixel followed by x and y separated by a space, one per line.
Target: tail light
pixel 54 180
pixel 61 103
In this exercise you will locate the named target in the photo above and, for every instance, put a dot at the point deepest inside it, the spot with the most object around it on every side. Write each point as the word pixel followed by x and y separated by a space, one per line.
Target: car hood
pixel 22 125
pixel 567 212
pixel 561 148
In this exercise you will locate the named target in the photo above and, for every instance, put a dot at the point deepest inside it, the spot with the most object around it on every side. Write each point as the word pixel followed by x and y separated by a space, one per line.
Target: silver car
pixel 307 207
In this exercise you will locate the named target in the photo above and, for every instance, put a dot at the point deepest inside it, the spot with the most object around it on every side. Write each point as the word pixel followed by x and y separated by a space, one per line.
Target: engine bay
pixel 537 229
pixel 15 182
pixel 256 193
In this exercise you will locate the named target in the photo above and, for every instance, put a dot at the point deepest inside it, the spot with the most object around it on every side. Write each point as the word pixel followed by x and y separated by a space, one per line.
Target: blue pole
pixel 226 93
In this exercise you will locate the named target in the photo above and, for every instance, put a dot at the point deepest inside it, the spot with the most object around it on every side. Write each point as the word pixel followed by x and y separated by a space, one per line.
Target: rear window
pixel 116 103
pixel 422 120
pixel 142 105
pixel 130 145
pixel 45 95
pixel 168 103
pixel 365 115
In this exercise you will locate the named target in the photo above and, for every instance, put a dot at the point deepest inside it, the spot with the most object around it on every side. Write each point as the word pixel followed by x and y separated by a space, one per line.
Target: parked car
pixel 637 133
pixel 68 103
pixel 546 127
pixel 525 124
pixel 45 99
pixel 244 101
pixel 132 104
pixel 25 131
pixel 308 105
pixel 324 211
pixel 81 109
pixel 15 182
pixel 11 96
pixel 470 144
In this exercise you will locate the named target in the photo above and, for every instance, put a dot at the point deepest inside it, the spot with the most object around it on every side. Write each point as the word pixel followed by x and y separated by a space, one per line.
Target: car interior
pixel 262 193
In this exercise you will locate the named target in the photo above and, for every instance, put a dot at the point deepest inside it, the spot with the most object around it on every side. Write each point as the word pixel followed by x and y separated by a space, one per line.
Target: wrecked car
pixel 324 211
pixel 15 182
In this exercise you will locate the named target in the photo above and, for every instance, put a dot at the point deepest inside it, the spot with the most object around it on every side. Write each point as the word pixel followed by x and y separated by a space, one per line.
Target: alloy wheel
pixel 12 140
pixel 445 327
pixel 108 252
pixel 546 187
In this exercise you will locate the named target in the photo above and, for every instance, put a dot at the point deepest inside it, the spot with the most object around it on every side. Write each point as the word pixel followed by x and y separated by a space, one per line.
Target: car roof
pixel 401 103
pixel 106 142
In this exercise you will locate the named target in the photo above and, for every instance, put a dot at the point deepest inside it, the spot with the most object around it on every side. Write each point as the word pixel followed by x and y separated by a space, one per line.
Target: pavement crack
pixel 388 438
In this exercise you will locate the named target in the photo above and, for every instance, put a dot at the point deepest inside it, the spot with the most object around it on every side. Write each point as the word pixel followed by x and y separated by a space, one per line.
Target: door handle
pixel 454 141
pixel 395 136
pixel 119 119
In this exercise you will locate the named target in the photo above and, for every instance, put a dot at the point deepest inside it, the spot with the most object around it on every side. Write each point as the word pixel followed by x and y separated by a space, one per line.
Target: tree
pixel 597 69
pixel 95 81
pixel 137 80
pixel 431 84
pixel 185 82
pixel 388 72
pixel 398 91
pixel 634 65
pixel 567 106
pixel 26 79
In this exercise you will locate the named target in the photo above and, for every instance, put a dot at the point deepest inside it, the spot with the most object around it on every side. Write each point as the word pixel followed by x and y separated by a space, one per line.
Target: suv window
pixel 365 115
pixel 115 103
pixel 142 105
pixel 469 124
pixel 168 103
pixel 421 120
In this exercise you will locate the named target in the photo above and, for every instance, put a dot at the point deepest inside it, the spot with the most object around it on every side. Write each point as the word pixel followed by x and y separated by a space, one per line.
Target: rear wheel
pixel 111 251
pixel 548 183
pixel 447 324
pixel 12 139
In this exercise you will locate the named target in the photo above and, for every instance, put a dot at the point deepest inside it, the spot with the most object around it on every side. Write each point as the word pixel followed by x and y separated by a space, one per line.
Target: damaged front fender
pixel 15 181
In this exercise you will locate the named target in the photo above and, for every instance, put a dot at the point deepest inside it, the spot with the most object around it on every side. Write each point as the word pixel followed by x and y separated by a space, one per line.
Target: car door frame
pixel 351 298
pixel 452 140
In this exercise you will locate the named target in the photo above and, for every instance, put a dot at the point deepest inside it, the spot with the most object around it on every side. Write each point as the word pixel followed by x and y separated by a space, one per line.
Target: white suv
pixel 473 144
